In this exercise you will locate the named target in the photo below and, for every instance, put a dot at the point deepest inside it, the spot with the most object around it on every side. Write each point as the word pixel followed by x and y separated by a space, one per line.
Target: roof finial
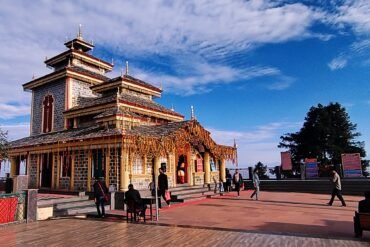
pixel 161 86
pixel 79 35
pixel 33 77
pixel 192 113
pixel 112 61
pixel 172 109
pixel 126 67
pixel 235 145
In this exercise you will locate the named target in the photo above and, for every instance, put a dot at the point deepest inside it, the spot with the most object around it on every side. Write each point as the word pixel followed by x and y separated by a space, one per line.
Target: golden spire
pixel 79 35
pixel 126 67
pixel 192 113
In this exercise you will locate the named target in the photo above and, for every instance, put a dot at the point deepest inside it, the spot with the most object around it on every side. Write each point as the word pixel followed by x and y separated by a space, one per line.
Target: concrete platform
pixel 299 214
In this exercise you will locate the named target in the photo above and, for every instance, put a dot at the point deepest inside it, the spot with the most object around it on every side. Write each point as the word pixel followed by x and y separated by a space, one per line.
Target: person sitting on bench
pixel 363 207
pixel 134 196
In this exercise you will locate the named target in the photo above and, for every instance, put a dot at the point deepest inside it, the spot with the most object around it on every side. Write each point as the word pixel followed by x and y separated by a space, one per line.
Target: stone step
pixel 78 210
pixel 53 201
pixel 73 204
pixel 189 191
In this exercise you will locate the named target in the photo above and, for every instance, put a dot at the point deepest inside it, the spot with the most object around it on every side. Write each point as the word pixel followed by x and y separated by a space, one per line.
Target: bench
pixel 361 223
pixel 133 211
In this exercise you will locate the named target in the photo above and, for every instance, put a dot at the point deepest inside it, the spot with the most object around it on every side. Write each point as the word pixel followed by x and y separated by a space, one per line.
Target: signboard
pixel 286 161
pixel 352 165
pixel 311 168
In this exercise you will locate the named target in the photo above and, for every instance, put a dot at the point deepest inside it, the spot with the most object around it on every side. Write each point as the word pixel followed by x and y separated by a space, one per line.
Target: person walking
pixel 337 189
pixel 163 187
pixel 229 178
pixel 256 183
pixel 101 196
pixel 238 181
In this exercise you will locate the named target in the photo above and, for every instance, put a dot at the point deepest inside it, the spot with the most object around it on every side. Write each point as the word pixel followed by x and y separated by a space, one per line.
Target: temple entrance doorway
pixel 98 163
pixel 182 169
pixel 46 170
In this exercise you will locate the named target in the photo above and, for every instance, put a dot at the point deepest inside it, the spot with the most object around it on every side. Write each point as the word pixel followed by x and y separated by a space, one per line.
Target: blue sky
pixel 251 69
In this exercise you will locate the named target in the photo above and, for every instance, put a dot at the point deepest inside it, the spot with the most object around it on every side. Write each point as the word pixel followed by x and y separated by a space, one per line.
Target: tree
pixel 3 144
pixel 326 133
pixel 365 164
pixel 261 170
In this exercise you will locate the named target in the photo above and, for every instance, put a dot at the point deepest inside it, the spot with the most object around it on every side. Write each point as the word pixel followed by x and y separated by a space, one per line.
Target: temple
pixel 84 124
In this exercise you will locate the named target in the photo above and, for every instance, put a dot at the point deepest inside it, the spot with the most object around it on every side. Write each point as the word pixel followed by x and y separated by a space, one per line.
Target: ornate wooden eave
pixel 73 53
pixel 71 72
pixel 170 115
pixel 187 132
pixel 129 83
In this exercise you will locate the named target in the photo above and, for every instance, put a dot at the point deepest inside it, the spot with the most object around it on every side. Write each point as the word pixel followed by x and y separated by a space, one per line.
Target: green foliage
pixel 3 144
pixel 261 170
pixel 365 164
pixel 326 133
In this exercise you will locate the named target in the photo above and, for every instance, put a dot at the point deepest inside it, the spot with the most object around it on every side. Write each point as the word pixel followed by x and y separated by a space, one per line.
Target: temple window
pixel 137 165
pixel 149 165
pixel 47 114
pixel 98 163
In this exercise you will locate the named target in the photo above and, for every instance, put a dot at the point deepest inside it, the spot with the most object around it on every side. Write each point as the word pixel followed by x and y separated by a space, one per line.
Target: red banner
pixel 286 161
pixel 352 165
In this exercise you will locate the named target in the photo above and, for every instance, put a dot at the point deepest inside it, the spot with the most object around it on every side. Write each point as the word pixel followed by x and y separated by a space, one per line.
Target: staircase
pixel 51 206
pixel 185 193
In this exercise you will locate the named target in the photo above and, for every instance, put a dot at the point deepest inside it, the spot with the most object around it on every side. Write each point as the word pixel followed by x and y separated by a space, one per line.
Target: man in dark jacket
pixel 134 195
pixel 363 207
pixel 163 186
pixel 101 195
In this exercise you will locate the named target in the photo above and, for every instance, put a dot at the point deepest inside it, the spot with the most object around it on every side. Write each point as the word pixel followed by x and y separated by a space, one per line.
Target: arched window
pixel 47 113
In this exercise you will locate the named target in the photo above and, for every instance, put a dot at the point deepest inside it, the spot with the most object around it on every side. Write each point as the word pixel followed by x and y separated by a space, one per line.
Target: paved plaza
pixel 277 219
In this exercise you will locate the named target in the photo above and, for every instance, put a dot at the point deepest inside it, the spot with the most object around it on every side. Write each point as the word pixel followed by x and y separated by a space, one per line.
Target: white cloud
pixel 204 74
pixel 337 63
pixel 16 131
pixel 283 83
pixel 30 31
pixel 10 111
pixel 355 13
pixel 256 145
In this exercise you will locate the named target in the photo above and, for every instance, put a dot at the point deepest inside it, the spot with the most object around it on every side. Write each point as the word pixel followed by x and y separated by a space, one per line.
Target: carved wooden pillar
pixel 89 170
pixel 124 172
pixel 207 168
pixel 222 170
pixel 72 181
pixel 107 166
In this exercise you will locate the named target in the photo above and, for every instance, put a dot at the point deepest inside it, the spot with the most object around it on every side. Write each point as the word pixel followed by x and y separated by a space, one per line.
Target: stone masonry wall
pixel 32 179
pixel 80 176
pixel 57 90
pixel 80 89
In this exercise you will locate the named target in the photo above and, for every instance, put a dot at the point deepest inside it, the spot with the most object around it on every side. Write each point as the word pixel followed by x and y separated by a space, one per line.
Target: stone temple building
pixel 85 125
